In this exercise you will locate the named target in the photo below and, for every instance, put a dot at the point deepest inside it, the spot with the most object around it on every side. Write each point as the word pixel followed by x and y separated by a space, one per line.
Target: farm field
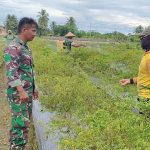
pixel 93 112
pixel 4 107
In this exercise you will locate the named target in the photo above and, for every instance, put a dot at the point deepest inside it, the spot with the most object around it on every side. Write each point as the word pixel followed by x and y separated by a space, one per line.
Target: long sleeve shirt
pixel 19 65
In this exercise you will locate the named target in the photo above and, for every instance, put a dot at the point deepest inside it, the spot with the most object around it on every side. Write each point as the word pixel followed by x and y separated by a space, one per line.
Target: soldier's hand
pixel 36 94
pixel 23 96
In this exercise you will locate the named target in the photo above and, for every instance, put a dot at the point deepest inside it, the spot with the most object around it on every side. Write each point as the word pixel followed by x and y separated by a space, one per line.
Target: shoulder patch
pixel 15 45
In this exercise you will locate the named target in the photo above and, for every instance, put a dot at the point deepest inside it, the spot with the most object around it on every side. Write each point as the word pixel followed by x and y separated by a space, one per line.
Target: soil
pixel 4 113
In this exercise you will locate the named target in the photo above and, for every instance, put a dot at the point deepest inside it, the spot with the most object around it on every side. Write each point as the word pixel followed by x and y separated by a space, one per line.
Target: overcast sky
pixel 98 15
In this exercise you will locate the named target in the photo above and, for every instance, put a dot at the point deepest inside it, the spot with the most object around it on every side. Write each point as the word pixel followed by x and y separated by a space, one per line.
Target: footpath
pixel 4 114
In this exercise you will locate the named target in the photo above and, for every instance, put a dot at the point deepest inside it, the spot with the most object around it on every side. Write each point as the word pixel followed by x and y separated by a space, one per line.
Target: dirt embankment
pixel 4 114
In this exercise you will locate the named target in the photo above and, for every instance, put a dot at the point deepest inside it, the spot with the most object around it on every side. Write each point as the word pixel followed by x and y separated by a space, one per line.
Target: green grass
pixel 93 110
pixel 1 50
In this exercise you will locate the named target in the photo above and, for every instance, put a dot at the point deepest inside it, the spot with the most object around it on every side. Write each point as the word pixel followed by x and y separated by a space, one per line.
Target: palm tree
pixel 43 19
pixel 53 26
pixel 11 23
pixel 139 29
pixel 71 24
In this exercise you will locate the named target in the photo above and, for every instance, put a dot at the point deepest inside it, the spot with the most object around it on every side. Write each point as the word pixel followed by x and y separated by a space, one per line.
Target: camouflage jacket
pixel 19 64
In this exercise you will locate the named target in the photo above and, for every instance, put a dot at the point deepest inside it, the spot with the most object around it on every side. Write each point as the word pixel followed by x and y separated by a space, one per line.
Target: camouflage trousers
pixel 143 106
pixel 20 119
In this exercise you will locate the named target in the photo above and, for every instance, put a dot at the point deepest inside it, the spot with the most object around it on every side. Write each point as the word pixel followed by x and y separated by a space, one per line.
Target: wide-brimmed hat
pixel 69 34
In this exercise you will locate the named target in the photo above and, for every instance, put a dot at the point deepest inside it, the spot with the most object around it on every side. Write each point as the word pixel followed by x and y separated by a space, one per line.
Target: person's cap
pixel 146 31
pixel 69 34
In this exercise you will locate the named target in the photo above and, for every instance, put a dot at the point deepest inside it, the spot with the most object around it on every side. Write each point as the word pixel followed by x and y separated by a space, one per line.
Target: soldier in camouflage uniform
pixel 21 86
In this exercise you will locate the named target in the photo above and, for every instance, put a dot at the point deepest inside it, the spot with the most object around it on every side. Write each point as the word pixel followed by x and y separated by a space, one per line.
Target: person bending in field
pixel 143 78
pixel 68 42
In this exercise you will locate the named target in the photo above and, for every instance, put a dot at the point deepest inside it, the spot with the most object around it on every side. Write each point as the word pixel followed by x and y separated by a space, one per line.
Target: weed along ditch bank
pixel 89 116
pixel 82 105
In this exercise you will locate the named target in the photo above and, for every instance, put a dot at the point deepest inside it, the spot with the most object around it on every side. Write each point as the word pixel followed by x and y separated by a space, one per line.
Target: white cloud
pixel 72 1
pixel 117 17
pixel 29 7
pixel 101 13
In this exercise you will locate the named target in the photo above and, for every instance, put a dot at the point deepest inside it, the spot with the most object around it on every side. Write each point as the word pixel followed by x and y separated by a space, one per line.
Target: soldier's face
pixel 30 32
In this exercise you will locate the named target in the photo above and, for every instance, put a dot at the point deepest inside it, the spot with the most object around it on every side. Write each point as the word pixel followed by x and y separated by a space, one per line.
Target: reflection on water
pixel 41 122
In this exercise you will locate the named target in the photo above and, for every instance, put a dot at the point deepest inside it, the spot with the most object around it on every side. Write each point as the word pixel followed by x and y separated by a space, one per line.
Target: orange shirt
pixel 143 79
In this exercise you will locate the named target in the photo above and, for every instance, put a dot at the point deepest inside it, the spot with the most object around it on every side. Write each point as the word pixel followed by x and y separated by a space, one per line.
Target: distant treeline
pixel 53 29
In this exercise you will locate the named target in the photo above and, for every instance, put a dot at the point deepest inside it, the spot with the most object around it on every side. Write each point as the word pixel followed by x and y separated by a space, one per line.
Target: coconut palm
pixel 11 23
pixel 71 24
pixel 43 18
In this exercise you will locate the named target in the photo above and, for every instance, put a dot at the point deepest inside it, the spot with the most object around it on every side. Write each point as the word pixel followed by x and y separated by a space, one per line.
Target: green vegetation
pixel 93 110
pixel 32 137
pixel 43 22
pixel 55 29
pixel 1 51
pixel 11 23
pixel 139 29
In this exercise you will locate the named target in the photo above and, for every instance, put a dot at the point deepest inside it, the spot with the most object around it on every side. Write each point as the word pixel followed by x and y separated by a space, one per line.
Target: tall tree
pixel 139 29
pixel 11 23
pixel 43 18
pixel 53 26
pixel 71 24
pixel 61 30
